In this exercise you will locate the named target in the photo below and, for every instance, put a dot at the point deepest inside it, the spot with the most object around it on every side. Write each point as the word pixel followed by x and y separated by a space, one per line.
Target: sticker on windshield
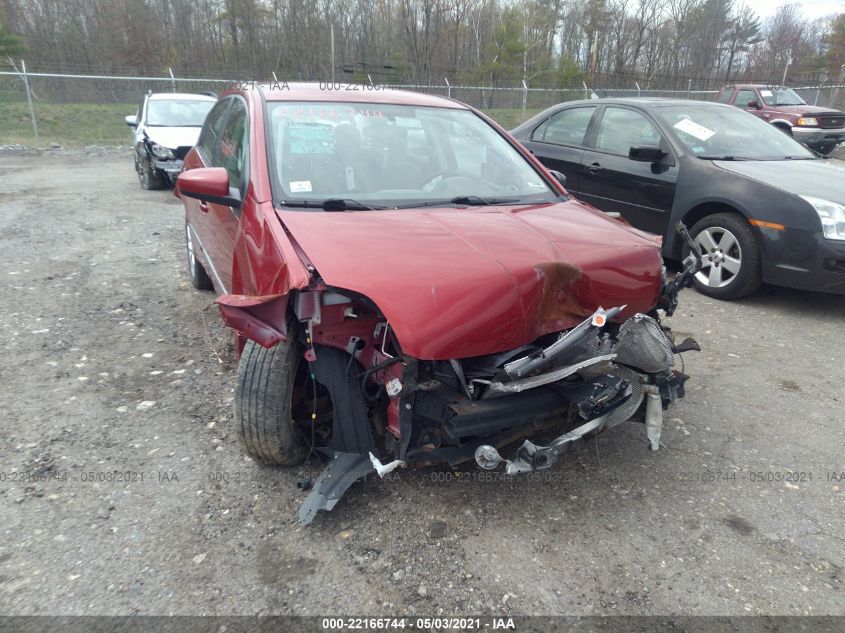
pixel 694 129
pixel 299 186
pixel 310 138
pixel 766 93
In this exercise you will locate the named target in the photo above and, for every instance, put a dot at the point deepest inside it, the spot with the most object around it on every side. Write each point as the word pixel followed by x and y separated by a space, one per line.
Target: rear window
pixel 725 95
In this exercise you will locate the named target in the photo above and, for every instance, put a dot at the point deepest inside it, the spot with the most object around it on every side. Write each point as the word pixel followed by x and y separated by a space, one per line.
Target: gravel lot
pixel 113 364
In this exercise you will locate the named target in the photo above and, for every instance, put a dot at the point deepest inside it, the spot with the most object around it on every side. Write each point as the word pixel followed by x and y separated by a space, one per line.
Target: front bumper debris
pixel 170 167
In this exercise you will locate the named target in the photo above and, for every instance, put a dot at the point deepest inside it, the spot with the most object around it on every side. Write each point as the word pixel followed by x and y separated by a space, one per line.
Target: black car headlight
pixel 162 152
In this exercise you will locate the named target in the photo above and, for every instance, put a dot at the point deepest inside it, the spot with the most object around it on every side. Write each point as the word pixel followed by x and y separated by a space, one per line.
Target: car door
pixel 200 220
pixel 641 192
pixel 744 97
pixel 231 153
pixel 558 142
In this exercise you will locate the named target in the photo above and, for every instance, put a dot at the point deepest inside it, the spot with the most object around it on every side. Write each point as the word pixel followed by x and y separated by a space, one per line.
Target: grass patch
pixel 69 124
pixel 509 118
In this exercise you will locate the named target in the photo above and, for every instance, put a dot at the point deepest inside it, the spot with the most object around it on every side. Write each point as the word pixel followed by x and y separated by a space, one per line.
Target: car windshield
pixel 720 132
pixel 362 155
pixel 178 112
pixel 781 96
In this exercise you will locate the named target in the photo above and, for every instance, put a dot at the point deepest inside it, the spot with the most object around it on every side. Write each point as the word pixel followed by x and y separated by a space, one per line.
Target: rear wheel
pixel 731 265
pixel 199 278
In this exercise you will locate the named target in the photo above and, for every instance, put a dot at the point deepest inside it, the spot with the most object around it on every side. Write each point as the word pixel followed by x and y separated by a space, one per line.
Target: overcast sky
pixel 809 8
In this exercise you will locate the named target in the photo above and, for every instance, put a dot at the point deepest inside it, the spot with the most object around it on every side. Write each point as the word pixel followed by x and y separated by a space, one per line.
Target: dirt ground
pixel 123 489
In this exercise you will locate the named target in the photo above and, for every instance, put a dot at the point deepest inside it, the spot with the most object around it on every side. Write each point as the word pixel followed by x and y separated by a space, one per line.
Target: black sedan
pixel 763 207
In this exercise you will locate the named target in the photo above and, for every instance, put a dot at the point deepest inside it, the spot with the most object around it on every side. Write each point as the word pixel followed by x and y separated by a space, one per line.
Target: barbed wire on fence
pixel 77 109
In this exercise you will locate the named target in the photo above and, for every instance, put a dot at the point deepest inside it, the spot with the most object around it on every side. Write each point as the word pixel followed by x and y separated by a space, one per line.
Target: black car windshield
pixel 384 155
pixel 715 131
pixel 781 96
pixel 178 112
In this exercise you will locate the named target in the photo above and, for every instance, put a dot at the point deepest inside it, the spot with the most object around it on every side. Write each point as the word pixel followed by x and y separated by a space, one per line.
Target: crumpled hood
pixel 456 283
pixel 822 178
pixel 173 137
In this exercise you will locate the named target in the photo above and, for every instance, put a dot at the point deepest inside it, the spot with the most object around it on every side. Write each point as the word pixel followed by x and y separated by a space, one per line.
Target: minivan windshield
pixel 722 132
pixel 376 155
pixel 781 96
pixel 178 112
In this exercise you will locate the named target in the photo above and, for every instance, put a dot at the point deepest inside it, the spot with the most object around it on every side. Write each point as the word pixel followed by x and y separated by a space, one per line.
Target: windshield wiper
pixel 331 204
pixel 798 157
pixel 472 201
pixel 724 158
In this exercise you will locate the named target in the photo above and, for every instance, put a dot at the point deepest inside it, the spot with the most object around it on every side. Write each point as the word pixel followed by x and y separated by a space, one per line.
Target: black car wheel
pixel 199 278
pixel 825 148
pixel 731 266
pixel 149 176
pixel 266 396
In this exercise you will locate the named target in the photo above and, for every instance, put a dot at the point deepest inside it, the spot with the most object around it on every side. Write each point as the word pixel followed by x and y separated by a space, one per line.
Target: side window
pixel 725 95
pixel 567 127
pixel 233 143
pixel 621 128
pixel 140 112
pixel 743 97
pixel 211 130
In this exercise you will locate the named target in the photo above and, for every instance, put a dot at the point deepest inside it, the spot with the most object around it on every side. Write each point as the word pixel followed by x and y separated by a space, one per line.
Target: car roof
pixel 643 102
pixel 349 93
pixel 161 96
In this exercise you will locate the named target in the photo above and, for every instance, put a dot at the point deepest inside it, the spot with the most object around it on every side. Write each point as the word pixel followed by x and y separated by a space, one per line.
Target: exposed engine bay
pixel 368 407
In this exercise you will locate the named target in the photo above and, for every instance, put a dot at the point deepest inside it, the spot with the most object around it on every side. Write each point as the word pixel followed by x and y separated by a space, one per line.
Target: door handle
pixel 594 169
pixel 203 206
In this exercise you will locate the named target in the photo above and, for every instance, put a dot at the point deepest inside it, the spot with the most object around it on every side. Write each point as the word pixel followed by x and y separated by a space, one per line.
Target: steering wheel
pixel 438 180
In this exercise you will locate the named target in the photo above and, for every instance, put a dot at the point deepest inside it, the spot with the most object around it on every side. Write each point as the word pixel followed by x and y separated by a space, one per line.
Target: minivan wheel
pixel 731 264
pixel 199 278
pixel 265 401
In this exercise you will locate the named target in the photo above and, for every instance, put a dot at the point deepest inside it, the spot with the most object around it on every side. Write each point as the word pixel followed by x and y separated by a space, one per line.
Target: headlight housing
pixel 808 121
pixel 832 215
pixel 161 152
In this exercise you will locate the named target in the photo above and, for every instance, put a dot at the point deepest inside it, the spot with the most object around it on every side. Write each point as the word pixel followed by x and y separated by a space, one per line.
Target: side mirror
pixel 209 184
pixel 558 176
pixel 131 120
pixel 646 153
pixel 754 104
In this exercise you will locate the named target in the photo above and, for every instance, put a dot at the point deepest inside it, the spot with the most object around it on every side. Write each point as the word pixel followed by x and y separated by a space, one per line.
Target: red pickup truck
pixel 821 129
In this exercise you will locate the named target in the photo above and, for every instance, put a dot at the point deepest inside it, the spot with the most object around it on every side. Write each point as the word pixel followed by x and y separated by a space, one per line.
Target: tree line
pixel 550 43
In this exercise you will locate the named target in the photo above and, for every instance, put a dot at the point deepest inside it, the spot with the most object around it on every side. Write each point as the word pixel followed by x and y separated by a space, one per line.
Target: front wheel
pixel 149 176
pixel 731 266
pixel 825 148
pixel 265 394
pixel 199 278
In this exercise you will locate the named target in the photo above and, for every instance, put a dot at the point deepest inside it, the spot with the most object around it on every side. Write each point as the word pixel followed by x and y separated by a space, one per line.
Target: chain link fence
pixel 43 110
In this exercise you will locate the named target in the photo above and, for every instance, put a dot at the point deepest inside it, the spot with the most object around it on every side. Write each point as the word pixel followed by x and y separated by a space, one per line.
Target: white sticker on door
pixel 299 186
pixel 694 129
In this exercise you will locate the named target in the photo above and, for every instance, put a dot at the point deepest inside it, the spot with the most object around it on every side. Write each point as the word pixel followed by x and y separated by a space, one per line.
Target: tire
pixel 784 129
pixel 199 278
pixel 825 148
pixel 149 176
pixel 263 399
pixel 732 259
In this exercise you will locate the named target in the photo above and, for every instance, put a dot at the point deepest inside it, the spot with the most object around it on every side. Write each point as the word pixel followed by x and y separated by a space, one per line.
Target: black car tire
pixel 733 231
pixel 199 278
pixel 263 398
pixel 825 148
pixel 149 176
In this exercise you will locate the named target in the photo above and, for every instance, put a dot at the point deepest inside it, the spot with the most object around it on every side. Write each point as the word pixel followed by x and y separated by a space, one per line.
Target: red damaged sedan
pixel 408 285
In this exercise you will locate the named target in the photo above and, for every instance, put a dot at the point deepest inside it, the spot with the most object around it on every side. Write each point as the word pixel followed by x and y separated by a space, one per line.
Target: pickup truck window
pixel 725 95
pixel 743 97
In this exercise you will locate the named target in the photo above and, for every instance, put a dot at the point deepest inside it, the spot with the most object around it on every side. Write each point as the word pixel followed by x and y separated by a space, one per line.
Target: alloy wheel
pixel 722 258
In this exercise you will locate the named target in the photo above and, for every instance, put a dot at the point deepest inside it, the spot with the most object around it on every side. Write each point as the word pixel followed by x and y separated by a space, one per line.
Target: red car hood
pixel 455 283
pixel 803 109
